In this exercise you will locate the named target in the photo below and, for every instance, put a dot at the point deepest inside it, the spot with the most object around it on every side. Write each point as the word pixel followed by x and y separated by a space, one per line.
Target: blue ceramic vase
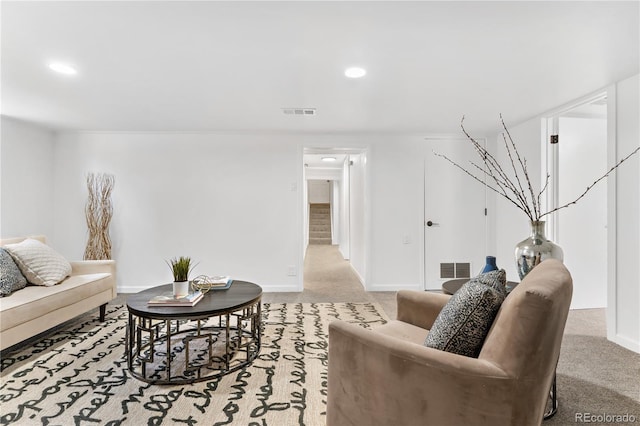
pixel 490 265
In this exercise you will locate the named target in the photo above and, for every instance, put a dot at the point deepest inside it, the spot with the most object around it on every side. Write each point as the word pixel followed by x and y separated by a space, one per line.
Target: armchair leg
pixel 553 407
pixel 103 313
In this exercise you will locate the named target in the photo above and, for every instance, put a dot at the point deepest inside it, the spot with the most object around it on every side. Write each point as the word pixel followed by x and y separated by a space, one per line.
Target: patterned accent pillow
pixel 463 323
pixel 39 263
pixel 11 279
pixel 497 280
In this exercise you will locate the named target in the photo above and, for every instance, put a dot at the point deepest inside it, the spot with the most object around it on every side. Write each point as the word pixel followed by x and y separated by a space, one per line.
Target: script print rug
pixel 78 376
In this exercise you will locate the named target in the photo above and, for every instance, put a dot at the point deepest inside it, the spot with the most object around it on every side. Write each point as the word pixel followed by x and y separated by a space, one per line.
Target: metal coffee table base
pixel 178 350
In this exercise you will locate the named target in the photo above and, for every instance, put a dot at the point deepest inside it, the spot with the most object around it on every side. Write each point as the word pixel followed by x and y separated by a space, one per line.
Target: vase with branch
pixel 513 183
pixel 98 214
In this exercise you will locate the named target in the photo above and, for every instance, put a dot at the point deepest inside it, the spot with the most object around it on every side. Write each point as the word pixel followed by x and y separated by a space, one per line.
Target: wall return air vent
pixel 455 270
pixel 299 111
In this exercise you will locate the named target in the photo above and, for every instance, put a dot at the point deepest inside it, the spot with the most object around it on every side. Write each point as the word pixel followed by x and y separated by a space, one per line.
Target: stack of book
pixel 168 299
pixel 220 282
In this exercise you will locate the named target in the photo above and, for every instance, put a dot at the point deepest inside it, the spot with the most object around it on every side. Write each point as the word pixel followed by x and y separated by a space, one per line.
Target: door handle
pixel 430 223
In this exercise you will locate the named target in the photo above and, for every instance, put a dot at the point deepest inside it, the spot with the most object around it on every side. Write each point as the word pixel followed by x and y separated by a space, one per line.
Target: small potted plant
pixel 180 268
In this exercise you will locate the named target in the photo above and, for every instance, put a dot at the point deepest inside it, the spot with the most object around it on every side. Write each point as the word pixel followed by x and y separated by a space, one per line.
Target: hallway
pixel 329 278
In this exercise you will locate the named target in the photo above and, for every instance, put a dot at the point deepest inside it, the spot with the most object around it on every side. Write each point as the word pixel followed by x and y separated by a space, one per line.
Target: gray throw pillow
pixel 463 323
pixel 11 279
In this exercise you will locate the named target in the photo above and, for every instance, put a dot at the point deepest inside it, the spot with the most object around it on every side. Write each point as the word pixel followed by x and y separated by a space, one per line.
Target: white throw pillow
pixel 39 263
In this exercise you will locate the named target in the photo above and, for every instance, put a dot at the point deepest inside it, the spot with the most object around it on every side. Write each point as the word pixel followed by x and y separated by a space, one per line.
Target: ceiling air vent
pixel 299 111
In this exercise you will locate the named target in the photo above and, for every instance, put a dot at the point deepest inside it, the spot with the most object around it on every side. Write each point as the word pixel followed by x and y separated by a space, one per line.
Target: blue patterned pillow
pixel 11 279
pixel 463 323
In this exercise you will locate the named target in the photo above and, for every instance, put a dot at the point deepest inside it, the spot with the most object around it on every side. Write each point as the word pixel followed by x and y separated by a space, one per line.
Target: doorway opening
pixel 577 158
pixel 333 210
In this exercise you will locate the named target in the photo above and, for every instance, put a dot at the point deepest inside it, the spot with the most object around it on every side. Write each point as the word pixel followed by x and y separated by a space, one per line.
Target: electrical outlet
pixel 291 271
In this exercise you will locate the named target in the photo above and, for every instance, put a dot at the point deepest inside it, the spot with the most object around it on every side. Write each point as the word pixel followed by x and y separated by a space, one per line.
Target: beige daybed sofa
pixel 35 309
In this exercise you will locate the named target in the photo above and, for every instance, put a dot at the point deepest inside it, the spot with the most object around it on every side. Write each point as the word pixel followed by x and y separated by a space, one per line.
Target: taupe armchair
pixel 386 376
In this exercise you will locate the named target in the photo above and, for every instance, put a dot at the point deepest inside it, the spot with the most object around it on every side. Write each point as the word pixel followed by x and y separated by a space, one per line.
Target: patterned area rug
pixel 79 375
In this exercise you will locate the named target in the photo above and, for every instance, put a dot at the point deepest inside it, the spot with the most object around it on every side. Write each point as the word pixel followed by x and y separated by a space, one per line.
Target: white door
pixel 455 219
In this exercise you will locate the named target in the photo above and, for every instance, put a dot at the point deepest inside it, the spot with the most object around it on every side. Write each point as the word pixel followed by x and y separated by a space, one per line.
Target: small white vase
pixel 180 288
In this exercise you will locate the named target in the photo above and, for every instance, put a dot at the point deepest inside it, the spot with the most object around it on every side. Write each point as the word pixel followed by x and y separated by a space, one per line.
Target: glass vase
pixel 533 250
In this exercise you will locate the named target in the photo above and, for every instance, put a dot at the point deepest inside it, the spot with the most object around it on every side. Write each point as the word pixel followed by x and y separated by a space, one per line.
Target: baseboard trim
pixel 280 289
pixel 395 287
pixel 358 275
pixel 626 343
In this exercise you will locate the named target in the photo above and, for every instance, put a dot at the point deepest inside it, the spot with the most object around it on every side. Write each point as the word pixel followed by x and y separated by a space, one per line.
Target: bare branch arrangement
pixel 98 212
pixel 516 189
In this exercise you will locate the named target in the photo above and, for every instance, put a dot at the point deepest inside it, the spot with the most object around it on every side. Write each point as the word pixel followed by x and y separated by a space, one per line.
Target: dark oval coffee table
pixel 174 345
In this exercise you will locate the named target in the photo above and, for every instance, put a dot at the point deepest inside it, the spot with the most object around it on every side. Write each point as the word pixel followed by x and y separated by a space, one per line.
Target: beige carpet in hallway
pixel 330 278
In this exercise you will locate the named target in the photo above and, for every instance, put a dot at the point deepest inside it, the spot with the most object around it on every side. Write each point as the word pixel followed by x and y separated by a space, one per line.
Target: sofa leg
pixel 103 312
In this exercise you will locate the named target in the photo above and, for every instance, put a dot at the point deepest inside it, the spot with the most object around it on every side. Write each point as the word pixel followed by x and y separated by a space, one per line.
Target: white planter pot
pixel 180 288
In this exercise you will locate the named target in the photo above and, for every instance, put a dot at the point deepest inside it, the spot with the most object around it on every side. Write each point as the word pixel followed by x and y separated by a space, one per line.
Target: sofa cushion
pixel 465 320
pixel 11 279
pixel 35 302
pixel 40 264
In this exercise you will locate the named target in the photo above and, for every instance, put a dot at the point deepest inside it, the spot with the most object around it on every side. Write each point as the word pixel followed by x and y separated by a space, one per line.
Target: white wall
pixel 319 191
pixel 26 175
pixel 512 225
pixel 397 208
pixel 336 209
pixel 345 211
pixel 239 214
pixel 216 198
pixel 358 217
pixel 623 322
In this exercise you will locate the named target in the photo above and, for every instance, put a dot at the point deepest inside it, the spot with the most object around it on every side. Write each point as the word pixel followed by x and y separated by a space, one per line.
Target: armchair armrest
pixel 420 308
pixel 375 379
pixel 93 267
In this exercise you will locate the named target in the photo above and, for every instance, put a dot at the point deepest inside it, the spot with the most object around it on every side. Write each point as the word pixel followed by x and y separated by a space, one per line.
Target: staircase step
pixel 319 224
pixel 316 215
pixel 325 241
pixel 315 235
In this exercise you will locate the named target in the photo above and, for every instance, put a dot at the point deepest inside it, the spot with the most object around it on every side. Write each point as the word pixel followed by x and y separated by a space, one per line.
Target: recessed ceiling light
pixel 62 68
pixel 355 72
pixel 328 158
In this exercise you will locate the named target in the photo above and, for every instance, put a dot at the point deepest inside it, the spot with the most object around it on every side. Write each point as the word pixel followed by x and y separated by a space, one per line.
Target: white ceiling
pixel 232 66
